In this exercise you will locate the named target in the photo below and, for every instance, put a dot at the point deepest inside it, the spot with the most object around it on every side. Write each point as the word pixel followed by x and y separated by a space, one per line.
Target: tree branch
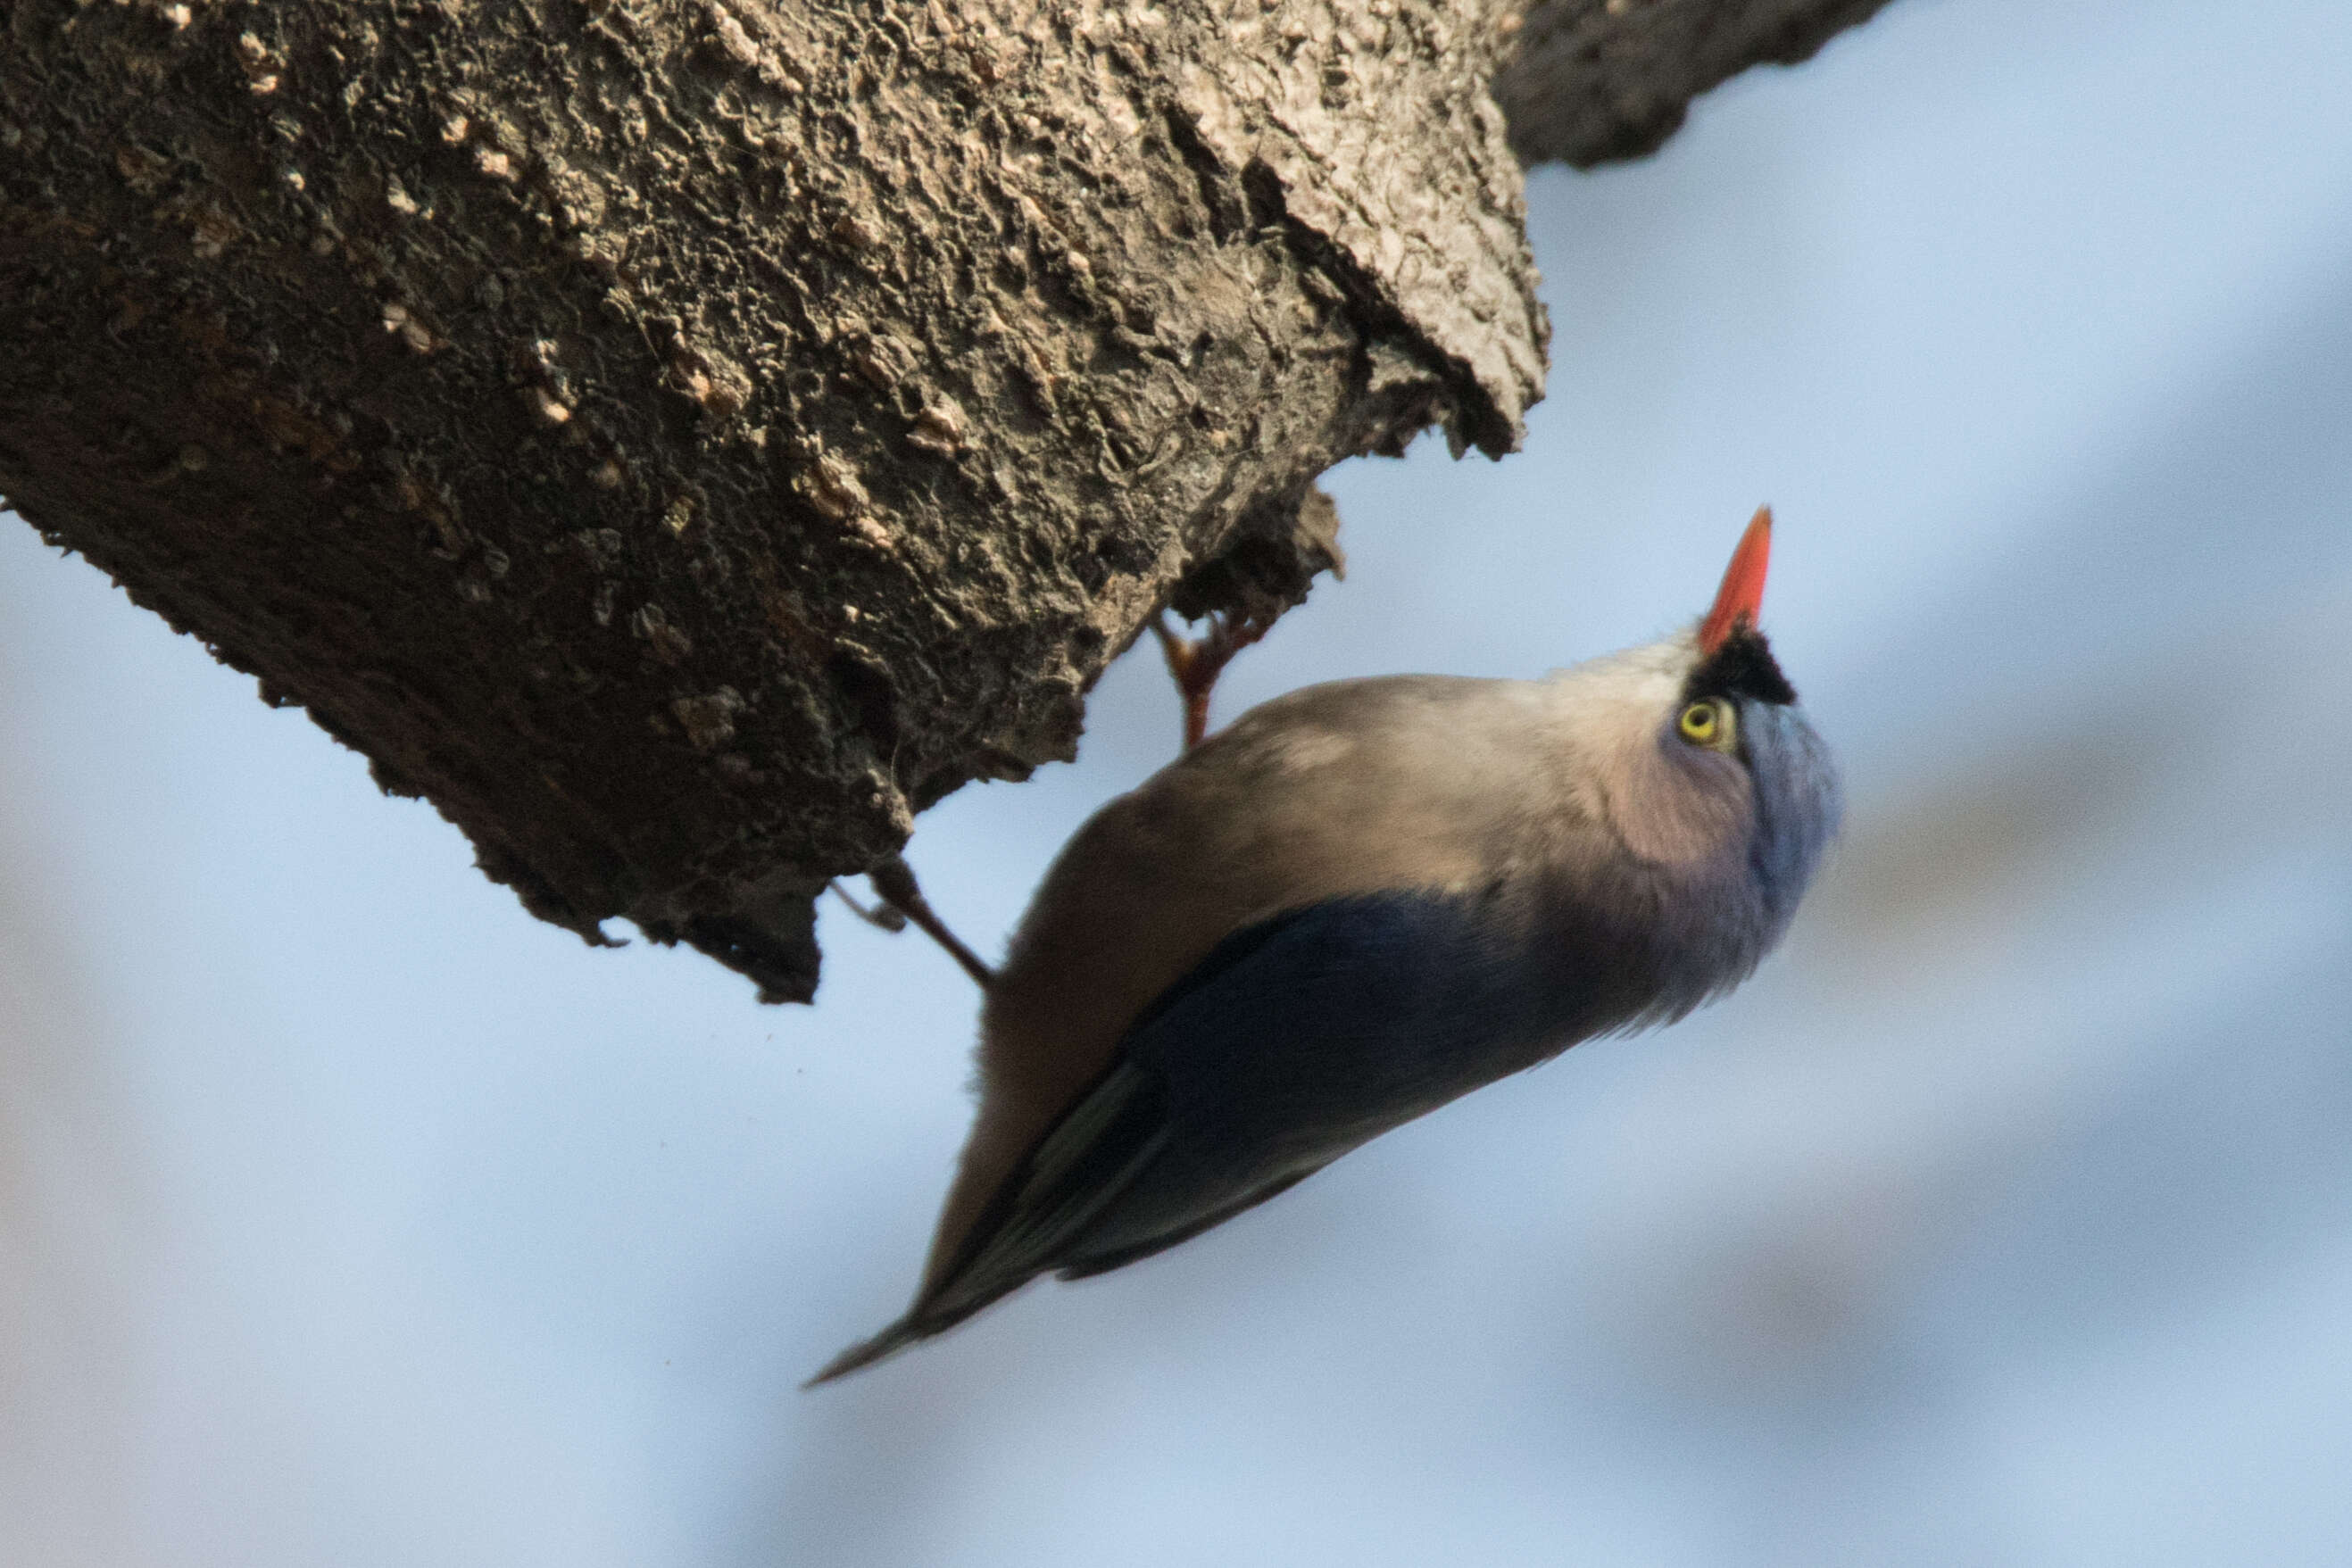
pixel 683 441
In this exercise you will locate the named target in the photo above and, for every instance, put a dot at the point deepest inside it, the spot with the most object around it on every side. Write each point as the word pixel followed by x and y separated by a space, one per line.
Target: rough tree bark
pixel 684 439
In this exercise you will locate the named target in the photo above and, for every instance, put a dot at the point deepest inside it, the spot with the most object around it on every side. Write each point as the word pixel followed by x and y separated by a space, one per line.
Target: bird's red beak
pixel 1742 597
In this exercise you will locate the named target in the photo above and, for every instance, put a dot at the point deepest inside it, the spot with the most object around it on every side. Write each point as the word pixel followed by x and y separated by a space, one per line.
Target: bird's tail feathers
pixel 1081 1166
pixel 933 1314
pixel 866 1352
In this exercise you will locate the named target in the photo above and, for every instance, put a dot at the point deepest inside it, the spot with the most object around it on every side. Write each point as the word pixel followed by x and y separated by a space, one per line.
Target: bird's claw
pixel 1195 663
pixel 882 916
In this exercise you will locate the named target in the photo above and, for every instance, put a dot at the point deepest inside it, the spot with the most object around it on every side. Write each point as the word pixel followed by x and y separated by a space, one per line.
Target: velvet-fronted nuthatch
pixel 1360 901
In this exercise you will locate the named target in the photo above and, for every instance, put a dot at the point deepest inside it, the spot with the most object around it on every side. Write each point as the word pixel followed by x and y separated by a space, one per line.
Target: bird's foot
pixel 882 916
pixel 1195 663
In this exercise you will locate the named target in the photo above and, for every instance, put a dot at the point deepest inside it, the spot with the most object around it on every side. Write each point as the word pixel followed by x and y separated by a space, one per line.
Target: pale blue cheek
pixel 1798 804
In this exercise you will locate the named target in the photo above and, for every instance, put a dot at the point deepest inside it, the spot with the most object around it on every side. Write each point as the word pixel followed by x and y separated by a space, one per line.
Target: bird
pixel 1358 902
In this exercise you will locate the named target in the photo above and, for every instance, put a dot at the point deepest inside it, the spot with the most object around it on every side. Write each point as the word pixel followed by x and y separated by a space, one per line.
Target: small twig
pixel 895 881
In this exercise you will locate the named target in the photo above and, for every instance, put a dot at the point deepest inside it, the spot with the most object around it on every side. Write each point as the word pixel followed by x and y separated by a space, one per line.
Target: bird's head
pixel 1735 703
pixel 1698 754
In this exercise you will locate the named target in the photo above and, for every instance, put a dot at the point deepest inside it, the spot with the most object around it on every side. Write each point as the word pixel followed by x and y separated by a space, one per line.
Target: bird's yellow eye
pixel 1709 724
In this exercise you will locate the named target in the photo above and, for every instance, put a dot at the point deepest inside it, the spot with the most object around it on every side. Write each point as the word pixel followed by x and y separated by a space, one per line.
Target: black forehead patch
pixel 1743 666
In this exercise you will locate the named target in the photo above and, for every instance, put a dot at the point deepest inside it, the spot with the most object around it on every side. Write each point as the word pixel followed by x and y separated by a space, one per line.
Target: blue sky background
pixel 348 1216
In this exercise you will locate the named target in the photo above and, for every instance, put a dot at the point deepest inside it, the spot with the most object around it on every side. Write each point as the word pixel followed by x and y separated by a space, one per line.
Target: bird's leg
pixel 1195 663
pixel 894 880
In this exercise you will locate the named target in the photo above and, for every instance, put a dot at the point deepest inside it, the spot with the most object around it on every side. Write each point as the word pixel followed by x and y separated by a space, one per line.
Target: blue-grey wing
pixel 1292 1042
